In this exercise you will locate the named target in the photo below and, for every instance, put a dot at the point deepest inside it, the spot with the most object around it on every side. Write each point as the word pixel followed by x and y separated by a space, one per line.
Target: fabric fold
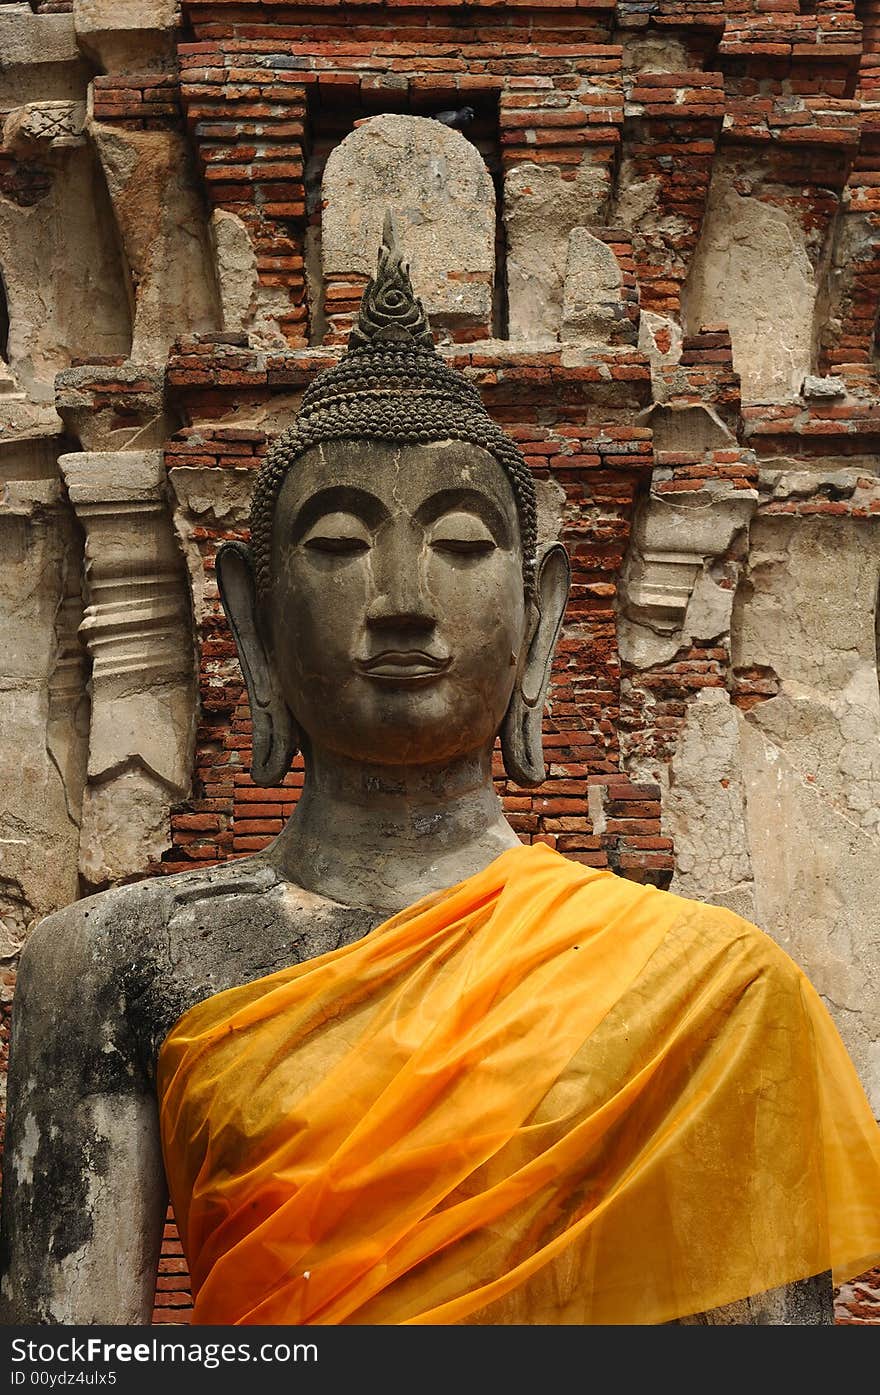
pixel 547 1095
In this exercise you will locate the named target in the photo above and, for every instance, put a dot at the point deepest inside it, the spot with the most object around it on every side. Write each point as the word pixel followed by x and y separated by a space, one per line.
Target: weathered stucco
pixel 164 235
pixel 591 290
pixel 236 269
pixel 138 629
pixel 540 211
pixel 438 186
pixel 61 268
pixel 674 587
pixel 705 809
pixel 44 706
pixel 41 58
pixel 751 270
pixel 775 812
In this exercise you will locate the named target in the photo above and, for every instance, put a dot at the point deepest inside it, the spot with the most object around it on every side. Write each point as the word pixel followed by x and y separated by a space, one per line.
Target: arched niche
pixel 437 185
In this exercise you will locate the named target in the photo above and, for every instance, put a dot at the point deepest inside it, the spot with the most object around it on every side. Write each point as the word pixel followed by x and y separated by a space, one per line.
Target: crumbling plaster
pixel 65 288
pixel 235 263
pixel 163 230
pixel 43 699
pixel 437 184
pixel 674 586
pixel 126 35
pixel 213 499
pixel 591 297
pixel 752 270
pixel 776 812
pixel 41 58
pixel 540 210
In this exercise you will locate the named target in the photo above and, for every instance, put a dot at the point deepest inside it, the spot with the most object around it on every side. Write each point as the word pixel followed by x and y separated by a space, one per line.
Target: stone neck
pixel 381 837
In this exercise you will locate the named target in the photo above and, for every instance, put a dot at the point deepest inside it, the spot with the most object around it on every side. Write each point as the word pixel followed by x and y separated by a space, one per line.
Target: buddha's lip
pixel 403 664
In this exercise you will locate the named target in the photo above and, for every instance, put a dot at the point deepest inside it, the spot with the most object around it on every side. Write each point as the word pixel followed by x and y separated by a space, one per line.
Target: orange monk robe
pixel 548 1095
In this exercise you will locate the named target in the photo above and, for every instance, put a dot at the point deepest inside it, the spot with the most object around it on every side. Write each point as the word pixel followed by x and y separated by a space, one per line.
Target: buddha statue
pixel 399 1067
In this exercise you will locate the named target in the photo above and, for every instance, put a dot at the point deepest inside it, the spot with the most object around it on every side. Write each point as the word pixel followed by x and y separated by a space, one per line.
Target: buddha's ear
pixel 521 733
pixel 275 736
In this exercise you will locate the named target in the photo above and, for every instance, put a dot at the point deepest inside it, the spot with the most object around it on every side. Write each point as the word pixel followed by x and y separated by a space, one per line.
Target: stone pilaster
pixel 669 595
pixel 138 631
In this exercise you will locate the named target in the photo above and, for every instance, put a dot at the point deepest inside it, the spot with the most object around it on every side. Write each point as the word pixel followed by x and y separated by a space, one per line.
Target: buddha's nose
pixel 400 600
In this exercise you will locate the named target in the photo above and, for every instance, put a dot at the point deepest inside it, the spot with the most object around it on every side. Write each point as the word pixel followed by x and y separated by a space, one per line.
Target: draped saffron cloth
pixel 547 1095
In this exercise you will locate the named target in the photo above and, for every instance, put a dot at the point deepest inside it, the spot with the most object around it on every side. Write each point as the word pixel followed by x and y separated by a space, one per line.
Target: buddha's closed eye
pixel 345 534
pixel 461 532
pixel 342 533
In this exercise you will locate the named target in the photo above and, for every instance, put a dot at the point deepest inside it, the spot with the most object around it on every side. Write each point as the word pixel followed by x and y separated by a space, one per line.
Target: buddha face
pixel 397 615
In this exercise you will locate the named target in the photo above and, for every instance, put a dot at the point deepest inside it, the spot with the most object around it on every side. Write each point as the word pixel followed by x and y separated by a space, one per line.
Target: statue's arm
pixel 806 1303
pixel 84 1192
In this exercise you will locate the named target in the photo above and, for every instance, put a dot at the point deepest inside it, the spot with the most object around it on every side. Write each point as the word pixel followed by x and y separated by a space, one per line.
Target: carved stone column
pixel 669 592
pixel 138 631
pixel 43 702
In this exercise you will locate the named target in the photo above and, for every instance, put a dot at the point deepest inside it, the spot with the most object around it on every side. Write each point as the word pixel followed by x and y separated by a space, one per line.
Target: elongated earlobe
pixel 275 734
pixel 521 745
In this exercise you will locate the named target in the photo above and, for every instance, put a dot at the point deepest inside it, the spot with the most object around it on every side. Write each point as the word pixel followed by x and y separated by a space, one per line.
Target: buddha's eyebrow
pixel 467 501
pixel 338 498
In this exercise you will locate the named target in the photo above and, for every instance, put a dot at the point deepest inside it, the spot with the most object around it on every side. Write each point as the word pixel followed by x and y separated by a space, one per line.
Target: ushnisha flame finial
pixel 390 312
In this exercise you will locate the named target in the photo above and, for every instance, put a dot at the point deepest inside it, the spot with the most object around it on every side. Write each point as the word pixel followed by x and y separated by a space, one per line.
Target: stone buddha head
pixel 393 607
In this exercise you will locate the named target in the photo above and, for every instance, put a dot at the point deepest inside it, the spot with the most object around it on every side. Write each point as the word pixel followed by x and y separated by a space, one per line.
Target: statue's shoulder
pixel 730 933
pixel 144 953
pixel 83 933
pixel 109 921
pixel 106 946
pixel 227 926
pixel 104 926
pixel 130 959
